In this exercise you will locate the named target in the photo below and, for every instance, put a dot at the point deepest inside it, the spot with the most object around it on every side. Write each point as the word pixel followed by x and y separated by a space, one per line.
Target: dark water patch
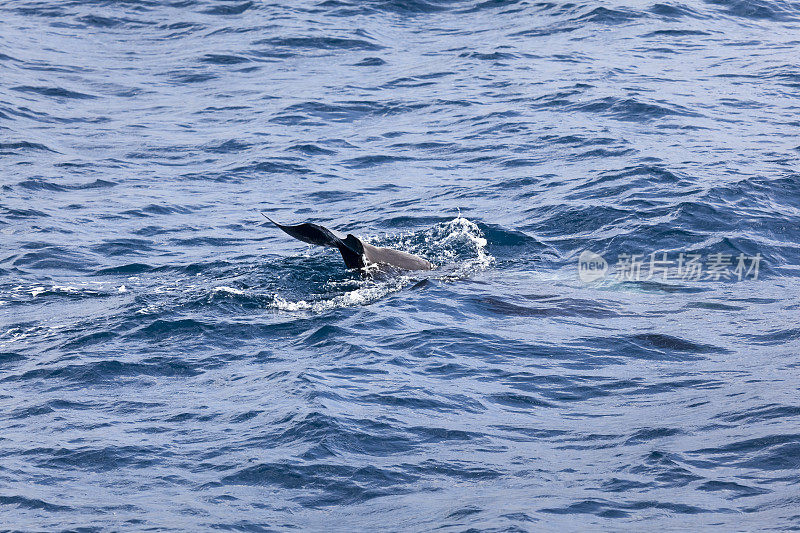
pixel 325 484
pixel 517 162
pixel 311 149
pixel 732 489
pixel 409 222
pixel 676 33
pixel 497 4
pixel 714 306
pixel 157 209
pixel 9 358
pixel 371 437
pixel 369 161
pixel 230 146
pixel 54 92
pixel 25 145
pixel 22 213
pixel 97 21
pixel 370 62
pixel 546 31
pixel 181 29
pixel 409 7
pixel 652 346
pixel 410 399
pixel 51 257
pixel 418 81
pixel 519 401
pixel 624 485
pixel 772 452
pixel 760 414
pixel 41 185
pixel 647 435
pixel 527 434
pixel 205 241
pixel 228 8
pixel 228 30
pixel 222 59
pixel 89 340
pixel 197 267
pixel 271 56
pixel 429 145
pixel 460 470
pixel 493 56
pixel 21 502
pixel 193 77
pixel 775 10
pixel 96 184
pixel 668 342
pixel 129 269
pixel 515 183
pixel 630 109
pixel 162 329
pixel 577 140
pixel 673 11
pixel 667 386
pixel 214 109
pixel 464 512
pixel 98 459
pixel 333 196
pixel 600 153
pixel 776 337
pixel 119 247
pixel 105 371
pixel 321 43
pixel 562 220
pixel 41 11
pixel 609 509
pixel 555 308
pixel 271 167
pixel 603 15
pixel 348 111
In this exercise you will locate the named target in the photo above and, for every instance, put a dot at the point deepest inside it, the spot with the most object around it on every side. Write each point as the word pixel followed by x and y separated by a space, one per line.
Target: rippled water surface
pixel 169 361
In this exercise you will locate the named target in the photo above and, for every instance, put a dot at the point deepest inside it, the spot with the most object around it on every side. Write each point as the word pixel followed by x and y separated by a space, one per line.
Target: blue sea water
pixel 170 362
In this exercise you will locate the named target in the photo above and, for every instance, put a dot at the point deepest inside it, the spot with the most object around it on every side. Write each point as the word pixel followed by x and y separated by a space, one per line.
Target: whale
pixel 356 253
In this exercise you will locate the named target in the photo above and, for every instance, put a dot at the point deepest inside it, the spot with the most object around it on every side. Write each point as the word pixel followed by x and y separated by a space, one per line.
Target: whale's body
pixel 356 253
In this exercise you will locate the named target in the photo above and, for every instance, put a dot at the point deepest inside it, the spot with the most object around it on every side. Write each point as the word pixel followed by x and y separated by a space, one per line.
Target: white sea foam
pixel 229 290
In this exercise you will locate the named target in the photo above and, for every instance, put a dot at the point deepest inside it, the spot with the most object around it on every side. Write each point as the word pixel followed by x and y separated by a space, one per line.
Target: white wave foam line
pixel 361 296
pixel 229 290
pixel 36 291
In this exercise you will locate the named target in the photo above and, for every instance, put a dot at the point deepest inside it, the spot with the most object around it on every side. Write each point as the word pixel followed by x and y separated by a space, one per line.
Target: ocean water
pixel 170 362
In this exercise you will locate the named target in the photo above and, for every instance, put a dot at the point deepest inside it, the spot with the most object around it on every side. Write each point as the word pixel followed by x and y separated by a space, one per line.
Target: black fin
pixel 351 248
pixel 352 251
pixel 310 233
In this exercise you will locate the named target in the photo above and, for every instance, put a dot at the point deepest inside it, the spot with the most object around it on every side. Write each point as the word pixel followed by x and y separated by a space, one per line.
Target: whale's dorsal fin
pixel 352 250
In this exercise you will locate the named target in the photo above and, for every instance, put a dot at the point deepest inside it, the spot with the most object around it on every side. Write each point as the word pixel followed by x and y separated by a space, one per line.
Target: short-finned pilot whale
pixel 356 253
